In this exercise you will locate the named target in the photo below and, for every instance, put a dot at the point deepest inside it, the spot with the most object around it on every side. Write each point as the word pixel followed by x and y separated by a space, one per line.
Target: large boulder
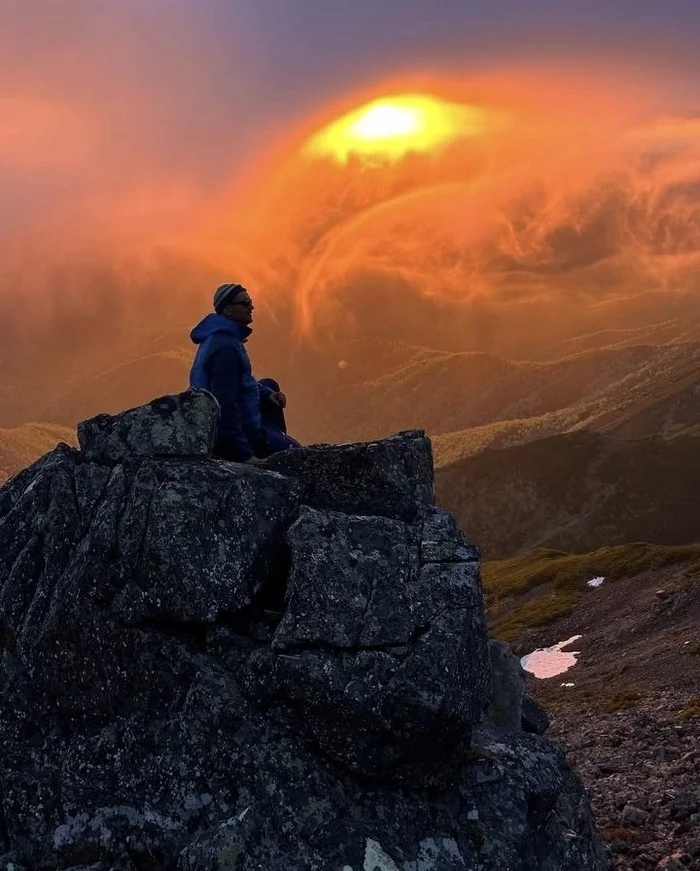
pixel 515 805
pixel 212 666
pixel 534 718
pixel 92 556
pixel 383 653
pixel 390 478
pixel 170 426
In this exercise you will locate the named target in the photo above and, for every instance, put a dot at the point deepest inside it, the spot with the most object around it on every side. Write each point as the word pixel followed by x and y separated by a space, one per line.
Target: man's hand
pixel 279 399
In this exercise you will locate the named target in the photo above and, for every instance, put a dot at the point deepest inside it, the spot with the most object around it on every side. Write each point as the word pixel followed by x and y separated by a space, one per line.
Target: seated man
pixel 252 423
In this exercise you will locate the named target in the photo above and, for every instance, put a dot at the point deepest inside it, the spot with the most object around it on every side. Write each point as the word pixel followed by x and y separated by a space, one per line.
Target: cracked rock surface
pixel 234 668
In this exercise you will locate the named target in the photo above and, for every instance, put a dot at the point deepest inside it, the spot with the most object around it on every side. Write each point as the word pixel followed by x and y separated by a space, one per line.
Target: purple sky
pixel 206 60
pixel 304 48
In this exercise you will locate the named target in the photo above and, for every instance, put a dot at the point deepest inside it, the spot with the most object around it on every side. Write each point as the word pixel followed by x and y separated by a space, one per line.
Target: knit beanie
pixel 225 294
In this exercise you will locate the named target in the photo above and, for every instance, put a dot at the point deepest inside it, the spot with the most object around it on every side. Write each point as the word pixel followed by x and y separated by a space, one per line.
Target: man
pixel 252 421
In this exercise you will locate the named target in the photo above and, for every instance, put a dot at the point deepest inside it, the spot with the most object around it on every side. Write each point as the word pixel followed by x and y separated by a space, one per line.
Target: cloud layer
pixel 145 126
pixel 575 194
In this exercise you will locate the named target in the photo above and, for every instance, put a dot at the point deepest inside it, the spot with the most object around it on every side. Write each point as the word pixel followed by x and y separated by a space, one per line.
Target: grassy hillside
pixel 369 388
pixel 669 407
pixel 449 392
pixel 544 585
pixel 659 397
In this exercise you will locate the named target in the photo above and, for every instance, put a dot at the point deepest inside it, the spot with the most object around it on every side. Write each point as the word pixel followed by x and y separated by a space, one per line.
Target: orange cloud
pixel 566 188
pixel 504 191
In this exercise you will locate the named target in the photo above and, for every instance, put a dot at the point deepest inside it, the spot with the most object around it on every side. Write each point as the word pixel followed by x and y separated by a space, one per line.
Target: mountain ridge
pixel 576 491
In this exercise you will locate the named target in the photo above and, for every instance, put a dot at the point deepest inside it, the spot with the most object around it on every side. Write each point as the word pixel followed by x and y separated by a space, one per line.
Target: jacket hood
pixel 214 323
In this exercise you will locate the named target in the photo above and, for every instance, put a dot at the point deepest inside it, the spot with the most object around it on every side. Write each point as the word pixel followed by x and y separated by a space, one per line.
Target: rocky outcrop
pixel 172 426
pixel 389 478
pixel 214 666
pixel 533 717
pixel 507 687
pixel 383 652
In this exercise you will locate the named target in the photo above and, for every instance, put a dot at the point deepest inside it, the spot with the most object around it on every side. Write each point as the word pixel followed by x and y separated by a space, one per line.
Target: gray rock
pixel 124 865
pixel 441 541
pixel 81 576
pixel 9 863
pixel 522 785
pixel 633 815
pixel 507 687
pixel 390 478
pixel 673 863
pixel 515 806
pixel 170 426
pixel 382 653
pixel 195 672
pixel 195 564
pixel 534 717
pixel 352 583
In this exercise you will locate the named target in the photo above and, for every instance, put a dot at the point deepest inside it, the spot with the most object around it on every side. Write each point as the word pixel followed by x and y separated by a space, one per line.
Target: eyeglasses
pixel 246 303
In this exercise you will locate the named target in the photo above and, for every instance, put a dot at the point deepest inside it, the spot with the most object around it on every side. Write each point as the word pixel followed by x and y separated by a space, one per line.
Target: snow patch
pixel 596 582
pixel 550 661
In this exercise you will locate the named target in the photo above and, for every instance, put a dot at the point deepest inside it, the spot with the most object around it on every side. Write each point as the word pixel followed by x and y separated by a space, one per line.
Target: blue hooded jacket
pixel 222 367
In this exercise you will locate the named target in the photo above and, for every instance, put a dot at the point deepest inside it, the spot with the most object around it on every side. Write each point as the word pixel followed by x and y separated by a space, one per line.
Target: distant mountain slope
pixel 659 397
pixel 577 492
pixel 368 388
pixel 21 445
pixel 468 402
pixel 449 392
pixel 653 334
pixel 669 408
pixel 133 383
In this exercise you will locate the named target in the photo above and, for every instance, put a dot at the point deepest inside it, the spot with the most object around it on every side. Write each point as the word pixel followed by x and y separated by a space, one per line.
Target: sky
pixel 132 123
pixel 201 83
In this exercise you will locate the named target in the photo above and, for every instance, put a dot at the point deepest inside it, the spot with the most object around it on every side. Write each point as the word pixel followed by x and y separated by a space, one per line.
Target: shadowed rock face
pixel 214 666
pixel 507 687
pixel 385 654
pixel 390 478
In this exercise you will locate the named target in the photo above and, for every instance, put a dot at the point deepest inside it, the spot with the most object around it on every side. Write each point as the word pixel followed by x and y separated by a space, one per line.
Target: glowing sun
pixel 392 126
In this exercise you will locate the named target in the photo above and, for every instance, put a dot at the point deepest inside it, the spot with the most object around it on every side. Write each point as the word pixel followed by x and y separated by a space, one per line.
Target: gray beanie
pixel 225 293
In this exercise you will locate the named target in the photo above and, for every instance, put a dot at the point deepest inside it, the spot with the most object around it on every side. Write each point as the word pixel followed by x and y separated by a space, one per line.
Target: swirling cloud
pixel 562 189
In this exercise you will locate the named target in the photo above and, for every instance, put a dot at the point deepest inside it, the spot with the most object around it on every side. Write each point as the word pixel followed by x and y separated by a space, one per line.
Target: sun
pixel 387 121
pixel 390 127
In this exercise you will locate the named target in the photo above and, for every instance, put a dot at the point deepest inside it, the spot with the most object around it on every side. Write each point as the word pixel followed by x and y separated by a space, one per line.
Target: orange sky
pixel 564 187
pixel 130 132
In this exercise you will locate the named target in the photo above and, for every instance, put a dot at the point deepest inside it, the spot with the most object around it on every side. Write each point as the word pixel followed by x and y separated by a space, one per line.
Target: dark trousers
pixel 274 437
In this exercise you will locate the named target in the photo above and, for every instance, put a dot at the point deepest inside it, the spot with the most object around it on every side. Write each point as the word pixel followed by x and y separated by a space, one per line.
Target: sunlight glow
pixel 391 127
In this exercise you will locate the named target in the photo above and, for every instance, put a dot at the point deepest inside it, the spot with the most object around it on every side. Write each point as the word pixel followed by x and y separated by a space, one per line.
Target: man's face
pixel 240 309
